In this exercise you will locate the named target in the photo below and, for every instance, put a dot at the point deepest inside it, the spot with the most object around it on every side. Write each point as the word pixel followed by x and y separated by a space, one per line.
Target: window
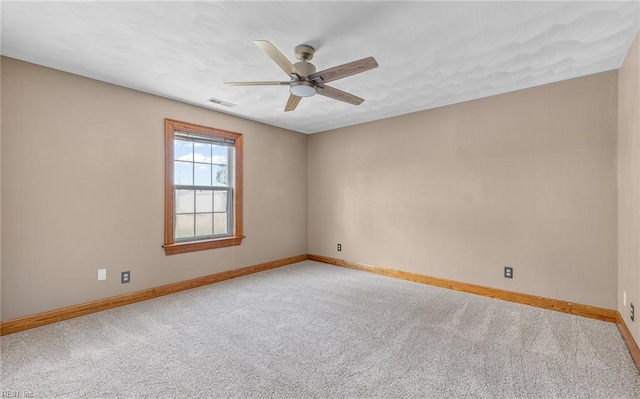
pixel 203 188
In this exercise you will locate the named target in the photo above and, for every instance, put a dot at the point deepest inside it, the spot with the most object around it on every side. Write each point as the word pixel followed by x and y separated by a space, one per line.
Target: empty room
pixel 369 199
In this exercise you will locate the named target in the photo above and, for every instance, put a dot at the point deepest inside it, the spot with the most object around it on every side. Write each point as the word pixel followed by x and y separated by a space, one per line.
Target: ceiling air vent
pixel 221 102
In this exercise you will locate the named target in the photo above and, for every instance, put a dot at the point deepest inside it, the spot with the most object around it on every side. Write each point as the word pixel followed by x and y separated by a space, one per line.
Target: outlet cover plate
pixel 508 272
pixel 125 277
pixel 102 274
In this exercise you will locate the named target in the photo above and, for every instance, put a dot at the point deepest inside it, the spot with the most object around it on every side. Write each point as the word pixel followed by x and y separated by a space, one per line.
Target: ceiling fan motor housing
pixel 303 87
pixel 305 68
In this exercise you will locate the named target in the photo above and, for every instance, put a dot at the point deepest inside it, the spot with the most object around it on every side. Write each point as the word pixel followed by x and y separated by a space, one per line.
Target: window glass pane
pixel 220 223
pixel 204 201
pixel 220 201
pixel 184 226
pixel 202 174
pixel 182 150
pixel 202 152
pixel 204 224
pixel 184 201
pixel 220 155
pixel 220 175
pixel 182 173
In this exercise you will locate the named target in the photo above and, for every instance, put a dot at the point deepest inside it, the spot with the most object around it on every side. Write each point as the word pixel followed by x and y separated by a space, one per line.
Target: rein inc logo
pixel 14 393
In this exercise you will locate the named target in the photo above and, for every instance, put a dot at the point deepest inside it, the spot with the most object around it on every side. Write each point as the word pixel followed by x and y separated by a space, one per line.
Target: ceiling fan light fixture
pixel 302 88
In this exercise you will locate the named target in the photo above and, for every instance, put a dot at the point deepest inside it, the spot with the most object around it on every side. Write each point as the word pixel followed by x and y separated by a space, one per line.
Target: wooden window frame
pixel 170 246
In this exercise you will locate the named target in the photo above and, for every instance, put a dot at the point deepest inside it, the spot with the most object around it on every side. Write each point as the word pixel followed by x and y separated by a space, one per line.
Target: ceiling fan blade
pixel 344 70
pixel 275 54
pixel 339 95
pixel 292 103
pixel 266 83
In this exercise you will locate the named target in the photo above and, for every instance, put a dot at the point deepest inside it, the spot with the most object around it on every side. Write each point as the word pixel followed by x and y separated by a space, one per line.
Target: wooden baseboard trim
pixel 634 350
pixel 53 316
pixel 526 299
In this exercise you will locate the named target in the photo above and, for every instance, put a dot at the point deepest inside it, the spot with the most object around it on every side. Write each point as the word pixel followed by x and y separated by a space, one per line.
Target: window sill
pixel 192 246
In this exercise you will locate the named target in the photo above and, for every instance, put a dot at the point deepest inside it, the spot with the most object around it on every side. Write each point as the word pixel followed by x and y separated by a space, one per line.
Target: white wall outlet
pixel 102 274
pixel 624 298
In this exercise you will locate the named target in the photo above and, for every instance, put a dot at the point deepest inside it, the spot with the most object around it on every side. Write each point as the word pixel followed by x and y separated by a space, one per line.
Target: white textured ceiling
pixel 430 53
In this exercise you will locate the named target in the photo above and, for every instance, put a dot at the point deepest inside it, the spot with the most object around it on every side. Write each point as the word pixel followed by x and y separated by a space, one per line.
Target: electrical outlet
pixel 632 313
pixel 102 274
pixel 339 247
pixel 125 277
pixel 624 298
pixel 508 272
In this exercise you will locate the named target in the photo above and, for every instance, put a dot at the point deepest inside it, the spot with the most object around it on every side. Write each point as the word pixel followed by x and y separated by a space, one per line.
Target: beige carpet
pixel 314 330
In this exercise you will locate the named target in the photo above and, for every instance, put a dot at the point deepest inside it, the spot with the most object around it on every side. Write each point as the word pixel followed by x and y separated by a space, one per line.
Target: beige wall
pixel 82 189
pixel 629 187
pixel 526 179
pixel 1 188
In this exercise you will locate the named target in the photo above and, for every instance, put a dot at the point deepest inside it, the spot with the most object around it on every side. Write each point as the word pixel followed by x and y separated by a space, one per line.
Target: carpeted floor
pixel 314 330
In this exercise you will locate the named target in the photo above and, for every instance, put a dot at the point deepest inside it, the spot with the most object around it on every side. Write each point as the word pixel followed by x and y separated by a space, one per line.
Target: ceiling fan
pixel 305 81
